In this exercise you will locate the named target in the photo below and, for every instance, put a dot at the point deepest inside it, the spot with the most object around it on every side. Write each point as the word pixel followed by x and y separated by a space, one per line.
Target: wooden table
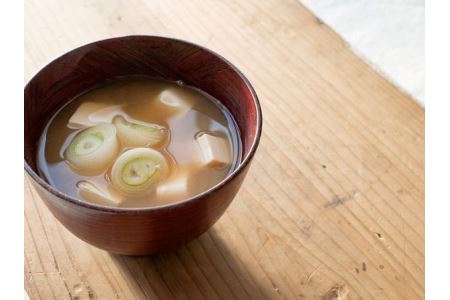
pixel 334 201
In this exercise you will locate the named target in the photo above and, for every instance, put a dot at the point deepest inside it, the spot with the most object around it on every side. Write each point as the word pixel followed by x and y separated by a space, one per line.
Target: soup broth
pixel 139 142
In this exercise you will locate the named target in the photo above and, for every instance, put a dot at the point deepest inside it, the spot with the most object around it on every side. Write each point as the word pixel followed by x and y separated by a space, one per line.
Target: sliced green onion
pixel 137 171
pixel 93 149
pixel 138 135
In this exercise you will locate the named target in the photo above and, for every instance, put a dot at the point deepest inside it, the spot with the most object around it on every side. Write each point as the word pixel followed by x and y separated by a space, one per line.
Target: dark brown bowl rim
pixel 183 202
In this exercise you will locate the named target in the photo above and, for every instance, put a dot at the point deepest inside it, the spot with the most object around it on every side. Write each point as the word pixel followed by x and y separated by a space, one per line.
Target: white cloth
pixel 388 34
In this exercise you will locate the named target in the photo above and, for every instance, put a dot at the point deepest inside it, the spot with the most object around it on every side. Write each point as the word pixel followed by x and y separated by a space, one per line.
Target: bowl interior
pixel 158 57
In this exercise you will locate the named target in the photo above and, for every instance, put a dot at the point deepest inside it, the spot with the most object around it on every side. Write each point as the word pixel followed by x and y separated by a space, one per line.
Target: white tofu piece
pixel 106 115
pixel 91 113
pixel 93 194
pixel 176 101
pixel 80 119
pixel 175 188
pixel 215 151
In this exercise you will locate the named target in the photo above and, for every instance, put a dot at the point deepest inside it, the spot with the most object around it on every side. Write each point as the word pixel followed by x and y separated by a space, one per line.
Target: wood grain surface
pixel 333 205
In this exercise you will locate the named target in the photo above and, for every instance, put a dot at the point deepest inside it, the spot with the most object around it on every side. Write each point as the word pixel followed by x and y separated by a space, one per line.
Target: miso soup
pixel 139 142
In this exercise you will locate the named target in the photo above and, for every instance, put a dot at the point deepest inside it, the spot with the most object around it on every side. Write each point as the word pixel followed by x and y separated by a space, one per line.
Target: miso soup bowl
pixel 139 231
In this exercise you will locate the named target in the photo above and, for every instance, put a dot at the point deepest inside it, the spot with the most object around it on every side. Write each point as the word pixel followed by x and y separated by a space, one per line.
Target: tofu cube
pixel 92 193
pixel 91 113
pixel 175 100
pixel 215 151
pixel 176 188
pixel 80 119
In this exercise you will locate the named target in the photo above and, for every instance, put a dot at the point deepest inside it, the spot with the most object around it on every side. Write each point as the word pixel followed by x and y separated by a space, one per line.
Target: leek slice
pixel 93 149
pixel 137 171
pixel 137 135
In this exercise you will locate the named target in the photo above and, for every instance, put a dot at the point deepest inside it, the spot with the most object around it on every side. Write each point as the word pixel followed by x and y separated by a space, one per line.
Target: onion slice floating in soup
pixel 137 171
pixel 93 149
pixel 137 135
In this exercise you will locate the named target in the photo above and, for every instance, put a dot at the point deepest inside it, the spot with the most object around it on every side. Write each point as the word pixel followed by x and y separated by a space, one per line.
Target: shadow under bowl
pixel 140 231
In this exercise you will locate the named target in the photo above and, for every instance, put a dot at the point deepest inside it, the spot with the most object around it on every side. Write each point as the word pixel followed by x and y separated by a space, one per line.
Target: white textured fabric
pixel 388 34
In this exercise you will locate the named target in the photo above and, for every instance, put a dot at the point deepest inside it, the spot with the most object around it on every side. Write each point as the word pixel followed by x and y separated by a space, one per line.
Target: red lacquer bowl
pixel 138 231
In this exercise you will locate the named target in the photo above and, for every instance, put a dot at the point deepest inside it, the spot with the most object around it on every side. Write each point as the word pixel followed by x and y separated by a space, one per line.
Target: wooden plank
pixel 334 201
